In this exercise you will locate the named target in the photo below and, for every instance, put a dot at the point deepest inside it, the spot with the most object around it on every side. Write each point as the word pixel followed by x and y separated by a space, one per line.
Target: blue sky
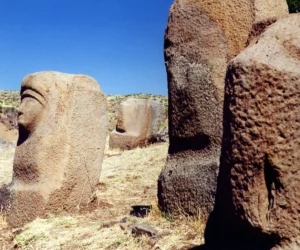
pixel 118 42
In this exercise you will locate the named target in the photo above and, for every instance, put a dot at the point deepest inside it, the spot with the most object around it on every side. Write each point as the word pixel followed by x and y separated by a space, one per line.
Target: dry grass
pixel 6 162
pixel 128 178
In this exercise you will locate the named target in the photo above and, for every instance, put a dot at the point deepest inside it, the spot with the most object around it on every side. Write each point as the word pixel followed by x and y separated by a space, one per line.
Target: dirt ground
pixel 128 178
pixel 8 135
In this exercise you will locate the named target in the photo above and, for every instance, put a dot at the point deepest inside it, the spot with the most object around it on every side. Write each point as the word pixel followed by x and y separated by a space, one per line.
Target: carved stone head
pixel 62 131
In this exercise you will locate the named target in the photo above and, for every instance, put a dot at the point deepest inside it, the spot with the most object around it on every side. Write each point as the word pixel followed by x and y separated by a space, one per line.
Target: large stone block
pixel 62 131
pixel 258 194
pixel 200 38
pixel 138 120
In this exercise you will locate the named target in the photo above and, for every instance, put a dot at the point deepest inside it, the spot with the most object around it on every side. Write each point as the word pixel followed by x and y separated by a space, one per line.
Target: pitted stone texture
pixel 138 120
pixel 201 37
pixel 62 131
pixel 258 197
pixel 266 9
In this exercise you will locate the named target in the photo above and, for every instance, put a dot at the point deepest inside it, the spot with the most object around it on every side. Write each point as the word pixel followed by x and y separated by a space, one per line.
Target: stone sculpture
pixel 62 131
pixel 138 120
pixel 258 196
pixel 200 38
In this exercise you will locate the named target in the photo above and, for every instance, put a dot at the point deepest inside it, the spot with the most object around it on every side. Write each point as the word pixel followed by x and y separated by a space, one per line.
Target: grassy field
pixel 128 178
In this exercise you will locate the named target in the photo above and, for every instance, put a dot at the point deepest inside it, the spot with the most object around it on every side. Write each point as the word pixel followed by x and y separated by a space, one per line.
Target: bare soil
pixel 9 135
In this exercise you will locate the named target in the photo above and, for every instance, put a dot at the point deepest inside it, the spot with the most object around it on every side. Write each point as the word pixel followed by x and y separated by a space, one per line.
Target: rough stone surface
pixel 138 121
pixel 258 196
pixel 62 131
pixel 200 38
pixel 140 229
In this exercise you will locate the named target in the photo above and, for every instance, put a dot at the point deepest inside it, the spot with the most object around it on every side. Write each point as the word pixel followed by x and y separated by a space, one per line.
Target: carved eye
pixel 26 95
pixel 29 93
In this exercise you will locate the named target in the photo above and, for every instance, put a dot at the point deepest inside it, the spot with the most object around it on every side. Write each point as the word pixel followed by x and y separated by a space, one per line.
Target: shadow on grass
pixel 203 247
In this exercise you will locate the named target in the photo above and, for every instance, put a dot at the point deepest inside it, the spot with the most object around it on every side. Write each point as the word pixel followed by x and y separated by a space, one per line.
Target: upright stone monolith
pixel 137 122
pixel 258 196
pixel 62 131
pixel 201 37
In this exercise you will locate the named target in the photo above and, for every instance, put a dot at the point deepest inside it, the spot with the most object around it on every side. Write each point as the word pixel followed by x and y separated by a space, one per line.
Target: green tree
pixel 294 6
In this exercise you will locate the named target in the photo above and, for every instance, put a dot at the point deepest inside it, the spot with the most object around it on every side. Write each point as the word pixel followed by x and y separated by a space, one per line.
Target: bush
pixel 294 6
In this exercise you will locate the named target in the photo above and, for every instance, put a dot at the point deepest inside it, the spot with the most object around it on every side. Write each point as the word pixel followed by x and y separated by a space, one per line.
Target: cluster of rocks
pixel 234 96
pixel 234 160
pixel 201 37
pixel 60 149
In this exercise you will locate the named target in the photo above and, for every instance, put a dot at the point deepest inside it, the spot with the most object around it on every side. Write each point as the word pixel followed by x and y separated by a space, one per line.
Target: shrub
pixel 294 6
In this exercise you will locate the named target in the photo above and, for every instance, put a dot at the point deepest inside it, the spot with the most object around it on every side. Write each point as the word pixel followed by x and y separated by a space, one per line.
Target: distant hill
pixel 9 98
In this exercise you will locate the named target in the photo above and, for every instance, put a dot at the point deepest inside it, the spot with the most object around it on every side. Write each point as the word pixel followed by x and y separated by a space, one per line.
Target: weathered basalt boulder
pixel 200 38
pixel 258 196
pixel 138 121
pixel 62 131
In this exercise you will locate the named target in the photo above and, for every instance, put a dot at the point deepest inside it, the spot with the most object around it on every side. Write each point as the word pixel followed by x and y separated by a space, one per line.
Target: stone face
pixel 62 131
pixel 258 197
pixel 138 121
pixel 200 38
